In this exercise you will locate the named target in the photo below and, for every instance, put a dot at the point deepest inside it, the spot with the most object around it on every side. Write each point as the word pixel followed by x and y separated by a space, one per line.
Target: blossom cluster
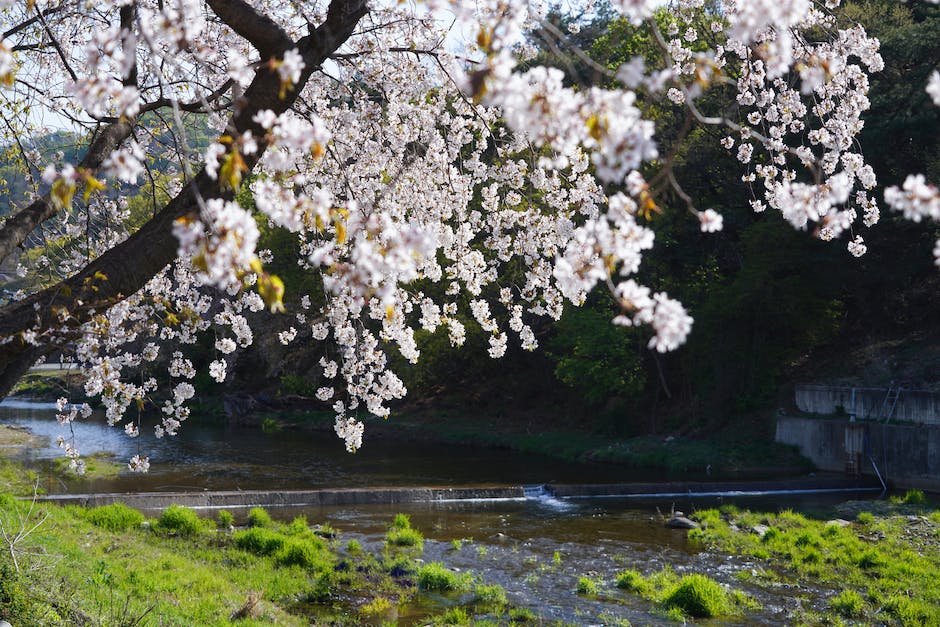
pixel 427 188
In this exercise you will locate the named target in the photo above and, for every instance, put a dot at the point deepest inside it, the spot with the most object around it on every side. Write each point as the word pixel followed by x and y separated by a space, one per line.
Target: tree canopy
pixel 408 168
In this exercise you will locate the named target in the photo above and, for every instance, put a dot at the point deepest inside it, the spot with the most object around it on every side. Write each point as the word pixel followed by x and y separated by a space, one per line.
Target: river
pixel 536 547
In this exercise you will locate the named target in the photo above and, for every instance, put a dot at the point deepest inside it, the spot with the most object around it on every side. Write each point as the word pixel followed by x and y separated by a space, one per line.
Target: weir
pixel 553 496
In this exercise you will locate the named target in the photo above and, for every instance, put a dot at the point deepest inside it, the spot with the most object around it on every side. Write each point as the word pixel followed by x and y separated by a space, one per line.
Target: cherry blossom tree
pixel 400 157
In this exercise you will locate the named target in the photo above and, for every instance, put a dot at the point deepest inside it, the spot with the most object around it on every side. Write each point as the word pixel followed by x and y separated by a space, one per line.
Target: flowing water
pixel 535 547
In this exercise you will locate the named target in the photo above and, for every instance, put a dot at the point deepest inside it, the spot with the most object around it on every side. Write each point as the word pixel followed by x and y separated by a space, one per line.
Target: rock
pixel 760 529
pixel 839 521
pixel 3 623
pixel 238 405
pixel 681 522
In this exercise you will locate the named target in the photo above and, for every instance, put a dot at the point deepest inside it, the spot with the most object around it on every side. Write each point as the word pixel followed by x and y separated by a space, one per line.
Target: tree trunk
pixel 126 268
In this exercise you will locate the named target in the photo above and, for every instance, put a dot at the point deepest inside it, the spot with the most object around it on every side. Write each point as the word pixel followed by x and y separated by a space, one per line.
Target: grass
pixel 699 596
pixel 633 581
pixel 679 598
pixel 490 595
pixel 180 521
pixel 911 497
pixel 436 577
pixel 258 517
pixel 586 587
pixel 101 567
pixel 885 565
pixel 114 517
pixel 848 604
pixel 401 535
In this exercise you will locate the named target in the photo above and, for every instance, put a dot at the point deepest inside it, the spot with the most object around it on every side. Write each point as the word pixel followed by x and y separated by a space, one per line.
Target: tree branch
pixel 18 227
pixel 261 31
pixel 127 267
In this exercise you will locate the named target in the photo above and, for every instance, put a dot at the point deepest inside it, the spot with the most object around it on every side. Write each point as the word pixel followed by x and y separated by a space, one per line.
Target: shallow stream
pixel 536 547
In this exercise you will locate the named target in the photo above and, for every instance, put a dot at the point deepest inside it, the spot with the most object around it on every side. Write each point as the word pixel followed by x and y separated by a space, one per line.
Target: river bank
pixel 482 564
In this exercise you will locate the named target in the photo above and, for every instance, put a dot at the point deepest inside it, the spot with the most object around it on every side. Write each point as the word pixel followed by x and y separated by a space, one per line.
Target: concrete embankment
pixel 243 499
pixel 907 456
pixel 916 406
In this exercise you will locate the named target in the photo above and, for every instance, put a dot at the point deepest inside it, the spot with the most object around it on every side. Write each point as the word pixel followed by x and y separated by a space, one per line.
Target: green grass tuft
pixel 115 517
pixel 848 603
pixel 405 538
pixel 699 596
pixel 258 517
pixel 490 595
pixel 436 577
pixel 224 520
pixel 179 520
pixel 586 587
pixel 633 581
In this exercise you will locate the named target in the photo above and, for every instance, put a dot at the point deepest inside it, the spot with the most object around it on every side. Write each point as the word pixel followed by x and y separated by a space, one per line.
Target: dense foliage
pixel 229 157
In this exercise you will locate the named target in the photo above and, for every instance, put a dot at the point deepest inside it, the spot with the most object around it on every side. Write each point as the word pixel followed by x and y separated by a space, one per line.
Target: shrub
pixel 866 518
pixel 586 586
pixel 258 517
pixel 401 522
pixel 699 596
pixel 353 547
pixel 180 521
pixel 436 577
pixel 115 517
pixel 848 603
pixel 258 540
pixel 633 581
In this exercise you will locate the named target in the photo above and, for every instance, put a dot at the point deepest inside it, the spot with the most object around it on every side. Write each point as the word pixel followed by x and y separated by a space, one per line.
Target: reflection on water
pixel 218 457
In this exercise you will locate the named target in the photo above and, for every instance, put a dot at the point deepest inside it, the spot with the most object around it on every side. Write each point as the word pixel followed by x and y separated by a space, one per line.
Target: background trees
pixel 416 199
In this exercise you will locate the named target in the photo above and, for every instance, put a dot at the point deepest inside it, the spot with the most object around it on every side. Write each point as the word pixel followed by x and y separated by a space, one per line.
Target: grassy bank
pixel 876 569
pixel 110 566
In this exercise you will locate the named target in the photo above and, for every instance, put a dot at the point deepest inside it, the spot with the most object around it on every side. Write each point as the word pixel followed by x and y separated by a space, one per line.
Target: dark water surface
pixel 218 457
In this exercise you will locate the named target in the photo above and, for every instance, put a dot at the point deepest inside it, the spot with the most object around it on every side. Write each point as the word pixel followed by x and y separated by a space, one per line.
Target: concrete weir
pixel 552 495
pixel 652 491
pixel 240 499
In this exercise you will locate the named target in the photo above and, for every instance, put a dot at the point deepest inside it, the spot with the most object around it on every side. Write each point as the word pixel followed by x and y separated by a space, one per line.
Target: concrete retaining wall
pixel 869 403
pixel 908 456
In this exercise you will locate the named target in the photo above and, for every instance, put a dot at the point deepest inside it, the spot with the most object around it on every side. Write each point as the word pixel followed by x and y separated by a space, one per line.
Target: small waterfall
pixel 543 496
